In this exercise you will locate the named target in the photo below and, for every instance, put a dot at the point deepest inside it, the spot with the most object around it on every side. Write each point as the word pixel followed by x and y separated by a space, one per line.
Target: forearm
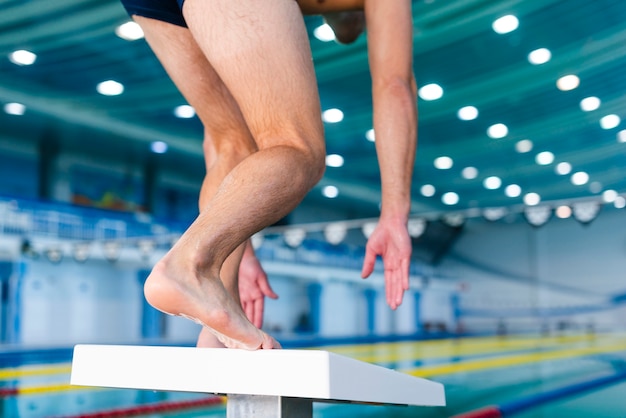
pixel 395 124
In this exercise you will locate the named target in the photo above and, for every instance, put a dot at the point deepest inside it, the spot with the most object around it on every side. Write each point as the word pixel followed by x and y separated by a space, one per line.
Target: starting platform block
pixel 260 384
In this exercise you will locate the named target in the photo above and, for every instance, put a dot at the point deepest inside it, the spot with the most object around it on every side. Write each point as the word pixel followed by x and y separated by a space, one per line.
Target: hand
pixel 391 241
pixel 253 287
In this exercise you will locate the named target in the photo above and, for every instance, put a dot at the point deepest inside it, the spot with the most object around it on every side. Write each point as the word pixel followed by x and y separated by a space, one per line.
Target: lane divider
pixel 155 408
pixel 514 360
pixel 512 408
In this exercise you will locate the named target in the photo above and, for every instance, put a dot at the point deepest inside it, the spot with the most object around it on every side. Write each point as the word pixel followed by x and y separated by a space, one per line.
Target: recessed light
pixel 513 190
pixel 580 178
pixel 184 112
pixel 22 57
pixel 563 168
pixel 610 122
pixel 492 183
pixel 110 88
pixel 443 163
pixel 334 160
pixel 332 115
pixel 467 113
pixel 469 173
pixel 497 131
pixel 450 198
pixel 532 199
pixel 539 56
pixel 568 82
pixel 427 190
pixel 129 31
pixel 16 109
pixel 524 146
pixel 505 24
pixel 330 192
pixel 589 104
pixel 431 92
pixel 544 158
pixel 324 33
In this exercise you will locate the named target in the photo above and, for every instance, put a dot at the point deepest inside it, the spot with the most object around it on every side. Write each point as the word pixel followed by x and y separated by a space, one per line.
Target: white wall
pixel 70 303
pixel 563 264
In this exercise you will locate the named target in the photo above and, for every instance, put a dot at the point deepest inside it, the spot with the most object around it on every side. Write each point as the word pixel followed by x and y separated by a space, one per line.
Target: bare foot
pixel 176 289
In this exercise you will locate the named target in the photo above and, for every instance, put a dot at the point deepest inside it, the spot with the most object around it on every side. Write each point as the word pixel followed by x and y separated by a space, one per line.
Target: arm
pixel 390 48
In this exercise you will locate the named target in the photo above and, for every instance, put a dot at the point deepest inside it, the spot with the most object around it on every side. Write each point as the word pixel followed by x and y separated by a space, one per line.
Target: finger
pixel 368 263
pixel 405 274
pixel 264 285
pixel 258 313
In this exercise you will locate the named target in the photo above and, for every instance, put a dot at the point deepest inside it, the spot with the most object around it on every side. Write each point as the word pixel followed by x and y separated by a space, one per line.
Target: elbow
pixel 403 90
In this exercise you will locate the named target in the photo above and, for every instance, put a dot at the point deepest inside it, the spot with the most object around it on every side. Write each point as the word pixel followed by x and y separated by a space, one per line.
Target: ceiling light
pixel 580 178
pixel 532 199
pixel 324 33
pixel 620 202
pixel 505 24
pixel 455 220
pixel 294 236
pixel 16 109
pixel 539 56
pixel 335 232
pixel 469 173
pixel 332 115
pixel 544 158
pixel 563 168
pixel 595 187
pixel 492 183
pixel 416 227
pixel 589 103
pixel 443 163
pixel 568 82
pixel 110 88
pixel 334 160
pixel 538 215
pixel 129 31
pixel 610 122
pixel 497 131
pixel 621 136
pixel 431 92
pixel 370 135
pixel 513 190
pixel 467 113
pixel 609 196
pixel 368 228
pixel 427 190
pixel 493 214
pixel 585 212
pixel 22 57
pixel 158 147
pixel 81 252
pixel 563 212
pixel 523 146
pixel 184 111
pixel 450 198
pixel 330 192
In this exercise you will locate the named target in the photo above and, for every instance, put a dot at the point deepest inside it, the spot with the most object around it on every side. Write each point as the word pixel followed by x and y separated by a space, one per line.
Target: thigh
pixel 197 81
pixel 261 51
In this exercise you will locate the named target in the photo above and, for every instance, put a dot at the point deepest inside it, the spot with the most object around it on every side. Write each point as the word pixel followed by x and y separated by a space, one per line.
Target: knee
pixel 227 148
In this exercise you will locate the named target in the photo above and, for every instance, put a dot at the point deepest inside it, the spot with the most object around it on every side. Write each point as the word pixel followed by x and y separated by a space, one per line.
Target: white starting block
pixel 260 384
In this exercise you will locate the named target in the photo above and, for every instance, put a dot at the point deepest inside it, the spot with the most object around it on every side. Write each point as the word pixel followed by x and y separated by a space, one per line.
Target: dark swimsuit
pixel 169 11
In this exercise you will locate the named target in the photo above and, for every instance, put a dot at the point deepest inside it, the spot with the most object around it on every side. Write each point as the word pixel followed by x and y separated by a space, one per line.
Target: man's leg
pixel 227 140
pixel 262 55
